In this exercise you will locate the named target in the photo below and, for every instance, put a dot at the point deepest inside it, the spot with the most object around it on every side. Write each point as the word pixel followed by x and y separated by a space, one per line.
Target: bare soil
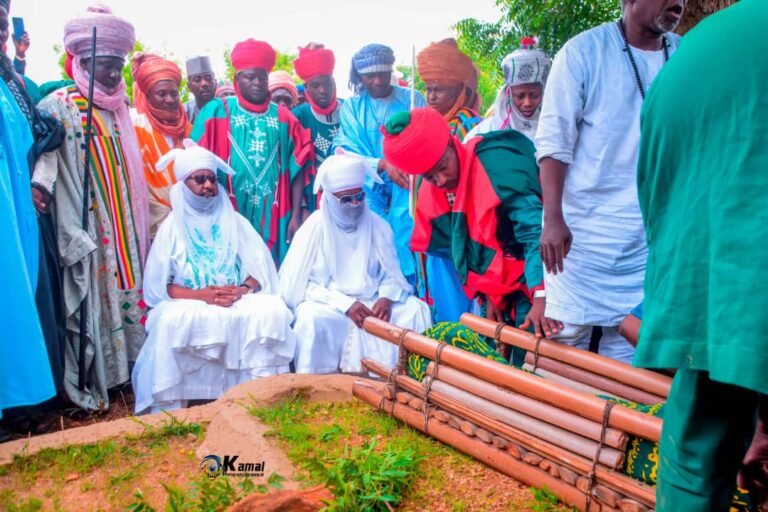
pixel 464 484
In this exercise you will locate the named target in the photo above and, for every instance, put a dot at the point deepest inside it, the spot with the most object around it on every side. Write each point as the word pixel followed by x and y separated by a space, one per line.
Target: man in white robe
pixel 216 318
pixel 593 241
pixel 342 268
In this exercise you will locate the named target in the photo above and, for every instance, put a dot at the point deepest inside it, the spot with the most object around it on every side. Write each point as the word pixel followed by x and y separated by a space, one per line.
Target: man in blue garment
pixel 362 118
pixel 25 373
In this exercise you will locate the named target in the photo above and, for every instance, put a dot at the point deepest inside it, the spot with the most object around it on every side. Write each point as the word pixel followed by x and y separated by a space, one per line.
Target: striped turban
pixel 115 37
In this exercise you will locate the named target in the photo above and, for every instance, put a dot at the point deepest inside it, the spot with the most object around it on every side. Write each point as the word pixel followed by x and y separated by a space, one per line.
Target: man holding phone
pixel 21 43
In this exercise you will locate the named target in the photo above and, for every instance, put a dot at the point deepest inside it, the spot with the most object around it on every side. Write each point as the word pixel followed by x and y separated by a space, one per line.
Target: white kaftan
pixel 195 350
pixel 321 291
pixel 590 120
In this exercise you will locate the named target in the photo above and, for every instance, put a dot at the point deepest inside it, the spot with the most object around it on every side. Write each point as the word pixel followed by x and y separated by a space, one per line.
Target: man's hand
pixel 41 200
pixel 22 45
pixel 492 312
pixel 382 309
pixel 358 312
pixel 542 325
pixel 223 296
pixel 293 226
pixel 397 176
pixel 555 244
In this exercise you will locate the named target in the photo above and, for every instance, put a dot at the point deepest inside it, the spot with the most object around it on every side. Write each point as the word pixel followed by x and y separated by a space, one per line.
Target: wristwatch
pixel 539 294
pixel 246 285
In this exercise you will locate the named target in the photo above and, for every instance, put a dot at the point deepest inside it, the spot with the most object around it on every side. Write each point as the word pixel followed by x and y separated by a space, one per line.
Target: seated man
pixel 479 205
pixel 211 283
pixel 342 268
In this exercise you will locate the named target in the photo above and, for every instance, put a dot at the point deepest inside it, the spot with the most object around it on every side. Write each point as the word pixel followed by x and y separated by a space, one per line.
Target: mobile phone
pixel 18 28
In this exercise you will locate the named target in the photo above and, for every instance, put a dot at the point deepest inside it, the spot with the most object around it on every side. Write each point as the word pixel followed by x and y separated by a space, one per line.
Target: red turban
pixel 313 61
pixel 253 54
pixel 415 141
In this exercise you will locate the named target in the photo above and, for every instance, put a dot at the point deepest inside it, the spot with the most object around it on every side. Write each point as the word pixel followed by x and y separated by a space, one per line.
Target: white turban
pixel 526 66
pixel 343 171
pixel 191 159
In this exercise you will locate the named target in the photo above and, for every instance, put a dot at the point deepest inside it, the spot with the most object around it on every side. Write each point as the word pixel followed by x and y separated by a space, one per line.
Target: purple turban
pixel 114 36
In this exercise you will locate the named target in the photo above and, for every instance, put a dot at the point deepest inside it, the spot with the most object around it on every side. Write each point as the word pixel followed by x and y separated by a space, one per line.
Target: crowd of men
pixel 249 232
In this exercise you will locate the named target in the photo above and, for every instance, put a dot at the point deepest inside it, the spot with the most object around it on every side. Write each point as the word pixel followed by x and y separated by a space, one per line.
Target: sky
pixel 180 30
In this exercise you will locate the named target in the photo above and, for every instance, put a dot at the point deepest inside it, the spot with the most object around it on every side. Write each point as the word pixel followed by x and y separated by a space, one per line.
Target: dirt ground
pixel 101 463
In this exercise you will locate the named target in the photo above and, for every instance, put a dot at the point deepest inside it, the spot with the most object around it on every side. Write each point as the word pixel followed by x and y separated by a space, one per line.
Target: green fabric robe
pixel 267 151
pixel 323 130
pixel 703 189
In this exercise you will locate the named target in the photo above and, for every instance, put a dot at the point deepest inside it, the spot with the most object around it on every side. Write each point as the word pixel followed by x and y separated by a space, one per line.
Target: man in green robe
pixel 264 143
pixel 320 115
pixel 703 189
pixel 480 205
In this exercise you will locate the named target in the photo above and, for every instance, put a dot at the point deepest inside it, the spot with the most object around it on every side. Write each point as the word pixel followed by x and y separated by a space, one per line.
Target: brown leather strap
pixel 596 459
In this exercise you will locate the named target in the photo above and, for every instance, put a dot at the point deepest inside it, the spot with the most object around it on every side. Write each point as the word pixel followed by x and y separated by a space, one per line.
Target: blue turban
pixel 372 58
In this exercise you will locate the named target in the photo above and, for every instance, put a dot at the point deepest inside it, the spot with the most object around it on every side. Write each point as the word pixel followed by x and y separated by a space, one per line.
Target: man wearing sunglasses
pixel 216 319
pixel 342 268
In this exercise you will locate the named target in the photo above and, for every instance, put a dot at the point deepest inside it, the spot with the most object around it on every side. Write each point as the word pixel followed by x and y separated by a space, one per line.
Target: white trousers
pixel 612 344
pixel 328 341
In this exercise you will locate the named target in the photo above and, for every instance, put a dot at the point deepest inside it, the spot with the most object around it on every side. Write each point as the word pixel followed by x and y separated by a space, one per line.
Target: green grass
pixel 209 495
pixel 544 500
pixel 9 503
pixel 58 463
pixel 367 459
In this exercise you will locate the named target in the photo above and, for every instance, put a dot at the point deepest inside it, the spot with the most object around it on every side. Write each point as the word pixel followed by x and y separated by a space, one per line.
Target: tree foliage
pixel 552 21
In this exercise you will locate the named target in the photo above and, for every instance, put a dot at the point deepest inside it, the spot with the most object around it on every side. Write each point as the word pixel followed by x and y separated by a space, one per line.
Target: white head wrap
pixel 209 224
pixel 190 159
pixel 343 171
pixel 522 66
pixel 526 66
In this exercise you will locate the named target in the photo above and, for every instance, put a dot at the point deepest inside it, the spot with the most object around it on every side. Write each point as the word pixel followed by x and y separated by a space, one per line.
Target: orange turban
pixel 253 54
pixel 444 63
pixel 147 70
pixel 415 141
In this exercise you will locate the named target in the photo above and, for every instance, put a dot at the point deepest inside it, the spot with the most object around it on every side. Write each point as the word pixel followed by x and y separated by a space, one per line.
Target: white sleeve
pixel 333 298
pixel 157 271
pixel 390 289
pixel 255 257
pixel 562 107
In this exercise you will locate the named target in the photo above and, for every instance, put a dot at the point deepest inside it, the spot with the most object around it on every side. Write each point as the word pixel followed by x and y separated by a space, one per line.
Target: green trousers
pixel 708 427
pixel 519 309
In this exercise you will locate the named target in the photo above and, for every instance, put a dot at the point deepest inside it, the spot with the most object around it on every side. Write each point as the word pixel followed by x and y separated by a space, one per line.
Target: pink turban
pixel 114 36
pixel 283 80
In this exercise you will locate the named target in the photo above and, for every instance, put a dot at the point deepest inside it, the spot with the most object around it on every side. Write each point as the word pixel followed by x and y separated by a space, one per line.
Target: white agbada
pixel 340 255
pixel 195 350
pixel 527 65
pixel 590 120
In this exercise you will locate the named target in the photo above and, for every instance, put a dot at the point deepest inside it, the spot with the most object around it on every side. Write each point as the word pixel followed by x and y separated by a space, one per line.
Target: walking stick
pixel 86 201
pixel 412 178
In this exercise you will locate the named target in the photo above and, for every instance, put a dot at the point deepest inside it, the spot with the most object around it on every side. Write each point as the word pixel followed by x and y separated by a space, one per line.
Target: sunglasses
pixel 200 179
pixel 347 199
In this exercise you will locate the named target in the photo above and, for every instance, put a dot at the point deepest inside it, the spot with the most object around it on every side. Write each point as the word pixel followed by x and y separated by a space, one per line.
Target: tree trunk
pixel 697 10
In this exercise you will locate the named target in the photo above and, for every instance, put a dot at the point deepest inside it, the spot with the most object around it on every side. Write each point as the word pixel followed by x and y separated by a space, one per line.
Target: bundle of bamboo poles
pixel 576 368
pixel 538 431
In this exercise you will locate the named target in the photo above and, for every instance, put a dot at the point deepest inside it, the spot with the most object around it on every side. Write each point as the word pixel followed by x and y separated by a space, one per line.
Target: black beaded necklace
pixel 628 50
